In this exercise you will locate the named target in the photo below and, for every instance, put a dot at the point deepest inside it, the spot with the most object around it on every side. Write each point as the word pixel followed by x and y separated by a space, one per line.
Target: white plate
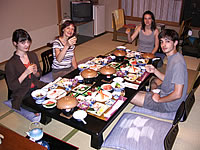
pixel 106 96
pixel 56 94
pixel 118 79
pixel 44 104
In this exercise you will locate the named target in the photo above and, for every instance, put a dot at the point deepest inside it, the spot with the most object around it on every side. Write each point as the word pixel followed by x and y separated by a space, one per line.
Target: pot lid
pixel 88 73
pixel 107 70
pixel 148 55
pixel 67 102
pixel 119 53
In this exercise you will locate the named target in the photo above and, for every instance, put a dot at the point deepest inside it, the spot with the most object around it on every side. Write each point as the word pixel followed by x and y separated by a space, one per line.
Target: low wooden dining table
pixel 95 126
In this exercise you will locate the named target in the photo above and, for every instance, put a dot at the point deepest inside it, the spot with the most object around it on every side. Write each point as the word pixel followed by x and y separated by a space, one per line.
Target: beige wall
pixel 38 17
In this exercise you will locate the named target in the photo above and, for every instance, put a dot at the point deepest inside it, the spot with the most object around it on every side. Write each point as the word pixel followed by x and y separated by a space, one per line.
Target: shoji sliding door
pixel 164 10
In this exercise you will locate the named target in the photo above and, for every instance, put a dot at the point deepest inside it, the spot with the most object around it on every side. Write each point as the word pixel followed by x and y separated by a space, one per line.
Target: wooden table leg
pixel 45 119
pixel 96 141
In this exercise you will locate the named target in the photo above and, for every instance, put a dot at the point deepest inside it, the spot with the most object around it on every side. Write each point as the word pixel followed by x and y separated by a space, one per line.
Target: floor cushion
pixel 25 113
pixel 168 116
pixel 137 132
pixel 47 78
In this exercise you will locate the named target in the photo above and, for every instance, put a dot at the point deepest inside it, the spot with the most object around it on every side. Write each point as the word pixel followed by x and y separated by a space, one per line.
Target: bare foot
pixel 37 114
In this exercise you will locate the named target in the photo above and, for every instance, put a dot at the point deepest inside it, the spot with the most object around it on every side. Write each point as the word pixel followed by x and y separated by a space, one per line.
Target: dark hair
pixel 169 34
pixel 153 24
pixel 65 24
pixel 21 35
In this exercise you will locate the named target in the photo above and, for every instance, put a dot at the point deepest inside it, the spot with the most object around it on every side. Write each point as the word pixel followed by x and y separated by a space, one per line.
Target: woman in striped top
pixel 64 60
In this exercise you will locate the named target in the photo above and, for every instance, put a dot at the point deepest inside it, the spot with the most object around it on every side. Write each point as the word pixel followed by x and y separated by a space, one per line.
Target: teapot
pixel 35 131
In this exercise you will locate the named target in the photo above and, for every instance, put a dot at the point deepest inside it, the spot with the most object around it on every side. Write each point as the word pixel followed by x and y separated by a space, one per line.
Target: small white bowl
pixel 39 94
pixel 120 87
pixel 83 67
pixel 121 48
pixel 80 115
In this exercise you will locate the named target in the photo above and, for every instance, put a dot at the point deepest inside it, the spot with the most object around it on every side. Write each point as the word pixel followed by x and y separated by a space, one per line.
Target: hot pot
pixel 107 71
pixel 67 104
pixel 120 54
pixel 148 55
pixel 89 76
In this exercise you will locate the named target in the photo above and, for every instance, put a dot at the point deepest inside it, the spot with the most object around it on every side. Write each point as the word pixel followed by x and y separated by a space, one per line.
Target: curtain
pixel 165 10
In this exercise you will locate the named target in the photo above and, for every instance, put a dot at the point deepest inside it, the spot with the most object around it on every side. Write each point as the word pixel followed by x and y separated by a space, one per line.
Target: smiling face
pixel 168 46
pixel 147 20
pixel 69 30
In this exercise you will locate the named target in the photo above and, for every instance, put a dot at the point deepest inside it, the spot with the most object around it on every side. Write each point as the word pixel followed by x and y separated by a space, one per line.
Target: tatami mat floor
pixel 188 137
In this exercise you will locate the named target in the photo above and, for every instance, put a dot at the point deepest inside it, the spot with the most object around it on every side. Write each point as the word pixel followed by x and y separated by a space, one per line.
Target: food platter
pixel 114 64
pixel 142 62
pixel 65 82
pixel 130 54
pixel 56 93
pixel 131 77
pixel 103 96
pixel 134 69
pixel 98 109
pixel 81 88
pixel 106 87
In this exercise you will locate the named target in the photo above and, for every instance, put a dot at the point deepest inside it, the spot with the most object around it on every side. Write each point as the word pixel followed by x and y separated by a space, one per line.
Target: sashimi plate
pixel 56 94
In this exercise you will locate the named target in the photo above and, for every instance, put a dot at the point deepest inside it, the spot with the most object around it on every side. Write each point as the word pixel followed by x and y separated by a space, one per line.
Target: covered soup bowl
pixel 67 105
pixel 89 75
pixel 120 54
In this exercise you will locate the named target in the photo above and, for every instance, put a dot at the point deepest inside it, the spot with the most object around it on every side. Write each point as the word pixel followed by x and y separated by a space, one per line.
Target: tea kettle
pixel 35 131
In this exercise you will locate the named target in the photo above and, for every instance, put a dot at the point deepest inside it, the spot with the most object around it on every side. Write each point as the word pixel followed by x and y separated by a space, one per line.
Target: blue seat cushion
pixel 167 115
pixel 47 78
pixel 25 113
pixel 137 132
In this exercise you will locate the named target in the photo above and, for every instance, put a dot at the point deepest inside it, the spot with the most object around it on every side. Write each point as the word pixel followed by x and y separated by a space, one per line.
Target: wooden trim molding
pixel 59 13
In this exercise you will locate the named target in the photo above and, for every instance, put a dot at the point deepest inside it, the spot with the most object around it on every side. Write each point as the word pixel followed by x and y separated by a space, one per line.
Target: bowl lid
pixel 88 73
pixel 107 70
pixel 119 53
pixel 67 102
pixel 148 55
